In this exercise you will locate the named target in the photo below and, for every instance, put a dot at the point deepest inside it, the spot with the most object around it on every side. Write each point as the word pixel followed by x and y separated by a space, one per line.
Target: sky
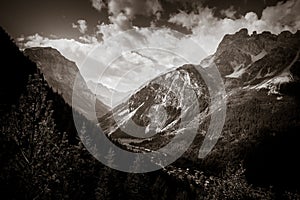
pixel 102 36
pixel 55 17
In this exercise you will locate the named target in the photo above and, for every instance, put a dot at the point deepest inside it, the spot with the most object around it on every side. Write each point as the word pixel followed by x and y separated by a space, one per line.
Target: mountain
pixel 258 61
pixel 247 63
pixel 110 97
pixel 162 107
pixel 60 73
pixel 261 76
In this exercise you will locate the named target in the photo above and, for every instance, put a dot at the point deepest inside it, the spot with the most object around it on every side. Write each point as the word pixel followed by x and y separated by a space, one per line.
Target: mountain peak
pixel 245 59
pixel 242 33
pixel 230 39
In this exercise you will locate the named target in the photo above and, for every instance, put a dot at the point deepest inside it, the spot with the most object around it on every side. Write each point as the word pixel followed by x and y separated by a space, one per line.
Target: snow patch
pixel 259 56
pixel 273 85
pixel 238 72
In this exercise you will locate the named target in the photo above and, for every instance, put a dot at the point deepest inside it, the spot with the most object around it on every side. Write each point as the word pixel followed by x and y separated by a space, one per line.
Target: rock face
pixel 60 73
pixel 258 60
pixel 172 103
pixel 169 92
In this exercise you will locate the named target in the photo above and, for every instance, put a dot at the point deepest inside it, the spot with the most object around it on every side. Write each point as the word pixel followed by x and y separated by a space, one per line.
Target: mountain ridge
pixel 61 73
pixel 252 60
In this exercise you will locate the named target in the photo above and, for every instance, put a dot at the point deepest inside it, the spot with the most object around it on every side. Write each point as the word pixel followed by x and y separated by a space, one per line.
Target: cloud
pixel 81 25
pixel 98 4
pixel 284 15
pixel 88 39
pixel 229 13
pixel 208 30
pixel 21 39
pixel 122 21
pixel 131 8
pixel 122 12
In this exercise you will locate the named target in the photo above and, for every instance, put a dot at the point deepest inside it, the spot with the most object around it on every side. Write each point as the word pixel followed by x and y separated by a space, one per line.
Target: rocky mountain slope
pixel 168 105
pixel 60 73
pixel 258 61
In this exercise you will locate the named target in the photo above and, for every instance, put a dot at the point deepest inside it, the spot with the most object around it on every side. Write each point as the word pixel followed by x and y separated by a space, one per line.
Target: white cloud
pixel 122 21
pixel 81 25
pixel 88 39
pixel 208 30
pixel 21 39
pixel 283 16
pixel 229 13
pixel 98 4
pixel 131 8
pixel 107 30
pixel 122 12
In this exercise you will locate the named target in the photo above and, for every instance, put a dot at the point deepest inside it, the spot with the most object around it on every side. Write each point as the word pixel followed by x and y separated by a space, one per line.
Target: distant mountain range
pixel 108 96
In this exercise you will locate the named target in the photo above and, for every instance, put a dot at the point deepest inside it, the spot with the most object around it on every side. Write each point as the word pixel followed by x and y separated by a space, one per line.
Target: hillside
pixel 61 73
